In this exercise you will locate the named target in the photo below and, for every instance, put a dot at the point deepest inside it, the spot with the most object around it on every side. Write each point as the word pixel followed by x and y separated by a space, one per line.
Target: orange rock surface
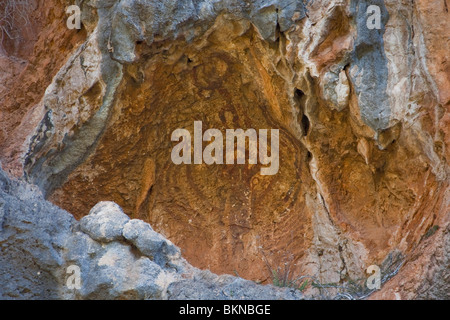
pixel 87 126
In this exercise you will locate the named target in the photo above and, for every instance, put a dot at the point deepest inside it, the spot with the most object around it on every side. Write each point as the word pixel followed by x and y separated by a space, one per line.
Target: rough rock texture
pixel 363 119
pixel 118 258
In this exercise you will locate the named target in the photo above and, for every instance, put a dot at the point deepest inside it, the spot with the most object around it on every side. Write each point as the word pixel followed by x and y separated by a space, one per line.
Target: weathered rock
pixel 151 243
pixel 116 272
pixel 207 286
pixel 105 222
pixel 32 237
pixel 362 113
pixel 42 246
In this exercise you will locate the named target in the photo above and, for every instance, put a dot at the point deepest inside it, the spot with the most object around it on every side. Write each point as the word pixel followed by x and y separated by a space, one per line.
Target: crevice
pixel 298 94
pixel 343 272
pixel 305 125
pixel 299 97
pixel 326 209
pixel 309 157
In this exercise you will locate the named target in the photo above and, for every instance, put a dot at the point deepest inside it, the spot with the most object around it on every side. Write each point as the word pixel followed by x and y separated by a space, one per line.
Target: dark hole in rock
pixel 305 125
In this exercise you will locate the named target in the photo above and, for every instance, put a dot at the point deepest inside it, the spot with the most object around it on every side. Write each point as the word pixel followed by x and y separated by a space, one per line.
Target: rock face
pixel 362 113
pixel 43 248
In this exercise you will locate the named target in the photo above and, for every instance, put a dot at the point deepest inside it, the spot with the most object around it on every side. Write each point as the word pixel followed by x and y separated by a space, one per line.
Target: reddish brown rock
pixel 363 120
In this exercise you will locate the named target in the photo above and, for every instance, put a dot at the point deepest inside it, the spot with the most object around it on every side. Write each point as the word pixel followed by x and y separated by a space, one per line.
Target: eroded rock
pixel 105 222
pixel 43 249
pixel 362 114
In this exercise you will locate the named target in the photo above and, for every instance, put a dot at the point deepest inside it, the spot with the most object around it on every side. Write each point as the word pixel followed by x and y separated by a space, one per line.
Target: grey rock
pixel 151 243
pixel 208 286
pixel 437 284
pixel 117 273
pixel 32 235
pixel 135 21
pixel 105 222
pixel 368 68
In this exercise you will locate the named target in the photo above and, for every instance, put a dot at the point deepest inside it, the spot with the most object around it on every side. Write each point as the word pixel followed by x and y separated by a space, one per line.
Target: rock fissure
pixel 362 116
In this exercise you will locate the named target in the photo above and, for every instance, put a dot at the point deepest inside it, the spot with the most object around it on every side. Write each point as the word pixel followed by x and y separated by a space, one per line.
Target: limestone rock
pixel 151 243
pixel 105 222
pixel 87 115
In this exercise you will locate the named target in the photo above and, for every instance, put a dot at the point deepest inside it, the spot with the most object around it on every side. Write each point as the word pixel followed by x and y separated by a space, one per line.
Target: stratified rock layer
pixel 362 113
